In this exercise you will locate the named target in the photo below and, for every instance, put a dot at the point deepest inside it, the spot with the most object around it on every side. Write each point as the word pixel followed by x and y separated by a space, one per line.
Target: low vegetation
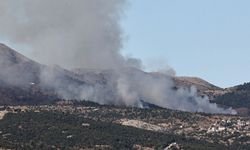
pixel 76 125
pixel 58 130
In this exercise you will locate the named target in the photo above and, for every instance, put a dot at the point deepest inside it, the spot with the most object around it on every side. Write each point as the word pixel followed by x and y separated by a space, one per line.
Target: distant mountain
pixel 24 81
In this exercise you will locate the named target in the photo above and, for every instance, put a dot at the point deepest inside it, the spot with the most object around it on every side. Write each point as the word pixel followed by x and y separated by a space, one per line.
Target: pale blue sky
pixel 205 38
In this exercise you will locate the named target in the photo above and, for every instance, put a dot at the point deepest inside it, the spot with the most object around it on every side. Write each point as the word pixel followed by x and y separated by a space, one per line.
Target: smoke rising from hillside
pixel 87 34
pixel 78 33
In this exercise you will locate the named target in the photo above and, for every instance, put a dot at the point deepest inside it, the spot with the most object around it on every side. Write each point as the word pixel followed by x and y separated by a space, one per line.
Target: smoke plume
pixel 87 34
pixel 78 33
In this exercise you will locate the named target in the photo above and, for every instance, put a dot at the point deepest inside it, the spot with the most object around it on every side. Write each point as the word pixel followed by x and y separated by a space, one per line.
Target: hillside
pixel 19 79
pixel 24 81
pixel 16 69
pixel 238 98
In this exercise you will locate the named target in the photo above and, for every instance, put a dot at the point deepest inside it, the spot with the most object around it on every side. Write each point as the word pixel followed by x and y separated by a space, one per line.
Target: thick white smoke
pixel 87 34
pixel 76 33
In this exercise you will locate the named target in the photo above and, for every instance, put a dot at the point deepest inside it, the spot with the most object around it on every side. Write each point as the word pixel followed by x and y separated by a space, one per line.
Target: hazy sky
pixel 205 38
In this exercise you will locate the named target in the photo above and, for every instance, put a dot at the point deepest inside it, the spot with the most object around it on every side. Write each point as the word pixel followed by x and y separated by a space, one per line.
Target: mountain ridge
pixel 22 79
